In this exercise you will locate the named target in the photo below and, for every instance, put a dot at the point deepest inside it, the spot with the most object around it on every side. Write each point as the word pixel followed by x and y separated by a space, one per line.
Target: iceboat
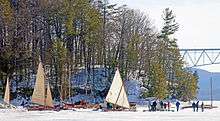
pixel 41 100
pixel 117 95
pixel 6 101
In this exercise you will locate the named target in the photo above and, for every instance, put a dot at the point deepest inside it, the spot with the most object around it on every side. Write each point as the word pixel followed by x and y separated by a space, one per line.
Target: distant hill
pixel 204 84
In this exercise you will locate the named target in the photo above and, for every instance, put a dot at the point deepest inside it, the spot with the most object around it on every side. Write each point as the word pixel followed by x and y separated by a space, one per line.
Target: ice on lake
pixel 182 115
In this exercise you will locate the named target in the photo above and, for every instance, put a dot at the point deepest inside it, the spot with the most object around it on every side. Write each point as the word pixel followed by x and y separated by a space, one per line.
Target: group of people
pixel 195 106
pixel 153 107
pixel 165 106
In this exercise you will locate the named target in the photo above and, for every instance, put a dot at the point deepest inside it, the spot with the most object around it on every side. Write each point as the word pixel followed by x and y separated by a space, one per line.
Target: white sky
pixel 199 21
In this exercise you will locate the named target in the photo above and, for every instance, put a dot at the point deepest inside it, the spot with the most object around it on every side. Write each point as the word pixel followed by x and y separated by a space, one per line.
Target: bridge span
pixel 200 57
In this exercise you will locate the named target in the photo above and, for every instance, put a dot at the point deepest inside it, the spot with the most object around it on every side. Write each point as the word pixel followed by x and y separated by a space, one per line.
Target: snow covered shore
pixel 183 115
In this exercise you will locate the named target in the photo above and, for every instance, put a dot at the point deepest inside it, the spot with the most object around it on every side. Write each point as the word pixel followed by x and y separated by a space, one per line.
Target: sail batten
pixel 38 96
pixel 117 94
pixel 7 93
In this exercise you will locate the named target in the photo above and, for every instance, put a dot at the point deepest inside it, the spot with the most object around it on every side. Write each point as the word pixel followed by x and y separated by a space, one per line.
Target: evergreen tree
pixel 172 61
pixel 187 86
pixel 170 24
pixel 158 83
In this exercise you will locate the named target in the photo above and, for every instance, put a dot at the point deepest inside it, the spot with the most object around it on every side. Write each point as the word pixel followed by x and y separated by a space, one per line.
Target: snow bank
pixel 99 79
pixel 87 98
pixel 19 101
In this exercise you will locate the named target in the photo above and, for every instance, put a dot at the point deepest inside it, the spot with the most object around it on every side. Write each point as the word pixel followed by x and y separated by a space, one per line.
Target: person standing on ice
pixel 149 105
pixel 193 106
pixel 202 107
pixel 154 106
pixel 177 106
pixel 161 104
pixel 165 106
pixel 197 106
pixel 168 105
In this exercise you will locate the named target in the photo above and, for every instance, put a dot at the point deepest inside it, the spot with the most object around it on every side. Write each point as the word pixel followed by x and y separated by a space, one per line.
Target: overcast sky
pixel 199 21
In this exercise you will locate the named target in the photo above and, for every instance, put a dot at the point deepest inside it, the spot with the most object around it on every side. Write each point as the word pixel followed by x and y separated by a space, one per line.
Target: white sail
pixel 117 94
pixel 49 100
pixel 7 93
pixel 38 96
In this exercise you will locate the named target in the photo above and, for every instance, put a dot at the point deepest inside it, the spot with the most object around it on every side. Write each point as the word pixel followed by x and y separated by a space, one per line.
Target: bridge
pixel 200 57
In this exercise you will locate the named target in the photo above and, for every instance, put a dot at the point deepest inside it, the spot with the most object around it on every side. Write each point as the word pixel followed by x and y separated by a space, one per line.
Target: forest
pixel 69 36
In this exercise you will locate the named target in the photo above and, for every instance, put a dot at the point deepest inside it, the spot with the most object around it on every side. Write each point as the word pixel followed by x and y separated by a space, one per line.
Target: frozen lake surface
pixel 182 115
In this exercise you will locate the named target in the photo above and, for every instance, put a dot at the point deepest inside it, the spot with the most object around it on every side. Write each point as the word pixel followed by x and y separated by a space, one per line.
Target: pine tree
pixel 158 83
pixel 181 83
pixel 170 24
pixel 170 52
pixel 187 86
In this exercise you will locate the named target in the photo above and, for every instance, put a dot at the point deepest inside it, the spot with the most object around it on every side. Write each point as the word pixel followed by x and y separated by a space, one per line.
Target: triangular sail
pixel 117 94
pixel 7 93
pixel 49 100
pixel 38 96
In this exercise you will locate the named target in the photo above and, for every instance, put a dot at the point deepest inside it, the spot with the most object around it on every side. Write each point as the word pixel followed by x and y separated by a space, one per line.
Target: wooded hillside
pixel 70 35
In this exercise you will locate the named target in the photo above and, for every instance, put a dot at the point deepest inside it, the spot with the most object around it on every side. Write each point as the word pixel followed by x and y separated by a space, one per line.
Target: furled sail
pixel 49 100
pixel 7 93
pixel 38 96
pixel 117 94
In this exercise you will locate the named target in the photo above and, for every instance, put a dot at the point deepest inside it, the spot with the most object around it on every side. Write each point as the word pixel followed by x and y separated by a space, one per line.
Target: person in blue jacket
pixel 177 106
pixel 197 106
pixel 194 106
